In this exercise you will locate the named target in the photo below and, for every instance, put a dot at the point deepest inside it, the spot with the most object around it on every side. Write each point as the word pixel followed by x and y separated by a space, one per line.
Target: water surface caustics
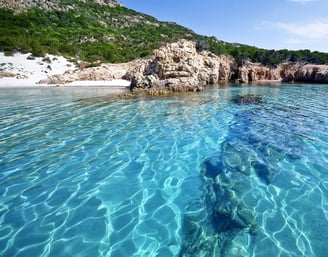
pixel 83 174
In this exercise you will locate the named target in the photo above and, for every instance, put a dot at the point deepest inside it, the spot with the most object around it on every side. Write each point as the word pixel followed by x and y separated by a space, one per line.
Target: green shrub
pixel 94 32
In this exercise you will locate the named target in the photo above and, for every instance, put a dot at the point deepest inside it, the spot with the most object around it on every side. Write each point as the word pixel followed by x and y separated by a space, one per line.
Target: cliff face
pixel 254 72
pixel 296 72
pixel 21 5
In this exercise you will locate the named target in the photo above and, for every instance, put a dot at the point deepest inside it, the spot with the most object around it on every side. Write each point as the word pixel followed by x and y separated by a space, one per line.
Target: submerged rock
pixel 231 215
pixel 247 99
pixel 225 213
pixel 249 156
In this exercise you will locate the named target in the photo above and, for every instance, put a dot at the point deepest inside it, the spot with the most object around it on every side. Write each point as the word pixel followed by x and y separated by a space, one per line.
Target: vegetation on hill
pixel 92 32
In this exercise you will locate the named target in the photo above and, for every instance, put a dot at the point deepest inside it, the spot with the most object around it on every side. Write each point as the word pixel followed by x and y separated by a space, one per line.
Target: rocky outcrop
pixel 179 67
pixel 296 72
pixel 173 67
pixel 21 5
pixel 286 72
pixel 7 74
pixel 254 72
pixel 104 72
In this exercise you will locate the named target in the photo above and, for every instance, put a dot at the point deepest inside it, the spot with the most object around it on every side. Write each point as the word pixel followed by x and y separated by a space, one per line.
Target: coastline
pixel 26 71
pixel 174 67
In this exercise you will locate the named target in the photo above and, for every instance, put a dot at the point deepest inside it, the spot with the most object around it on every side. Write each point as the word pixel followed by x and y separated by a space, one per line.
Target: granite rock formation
pixel 103 72
pixel 173 67
pixel 254 72
pixel 177 67
pixel 296 72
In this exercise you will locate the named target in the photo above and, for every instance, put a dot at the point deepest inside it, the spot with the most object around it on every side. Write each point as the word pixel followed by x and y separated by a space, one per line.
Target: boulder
pixel 5 74
pixel 179 67
pixel 247 99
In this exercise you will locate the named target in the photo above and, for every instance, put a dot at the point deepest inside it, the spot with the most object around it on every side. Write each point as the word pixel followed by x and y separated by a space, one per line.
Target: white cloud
pixel 307 31
pixel 297 35
pixel 315 30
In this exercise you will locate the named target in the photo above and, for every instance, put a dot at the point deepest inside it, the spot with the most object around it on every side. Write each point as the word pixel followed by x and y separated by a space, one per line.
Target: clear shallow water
pixel 82 174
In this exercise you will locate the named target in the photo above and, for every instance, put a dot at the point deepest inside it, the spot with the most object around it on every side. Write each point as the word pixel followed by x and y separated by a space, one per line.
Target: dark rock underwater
pixel 250 152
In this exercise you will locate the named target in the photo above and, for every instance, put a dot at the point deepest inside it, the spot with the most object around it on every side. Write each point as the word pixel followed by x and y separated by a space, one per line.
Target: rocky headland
pixel 179 67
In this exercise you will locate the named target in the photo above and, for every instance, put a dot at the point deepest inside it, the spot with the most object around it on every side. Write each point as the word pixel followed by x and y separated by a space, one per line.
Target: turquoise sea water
pixel 86 174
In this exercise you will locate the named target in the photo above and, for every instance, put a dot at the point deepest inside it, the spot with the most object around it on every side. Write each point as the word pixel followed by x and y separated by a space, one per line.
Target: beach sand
pixel 24 70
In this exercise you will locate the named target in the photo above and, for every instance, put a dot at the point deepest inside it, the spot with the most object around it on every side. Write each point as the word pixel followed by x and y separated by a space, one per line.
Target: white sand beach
pixel 24 70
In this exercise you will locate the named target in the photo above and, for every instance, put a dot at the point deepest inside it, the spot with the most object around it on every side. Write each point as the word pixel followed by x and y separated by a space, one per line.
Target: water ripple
pixel 85 174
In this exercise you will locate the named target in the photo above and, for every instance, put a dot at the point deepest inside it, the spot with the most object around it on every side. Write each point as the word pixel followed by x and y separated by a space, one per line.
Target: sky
pixel 269 24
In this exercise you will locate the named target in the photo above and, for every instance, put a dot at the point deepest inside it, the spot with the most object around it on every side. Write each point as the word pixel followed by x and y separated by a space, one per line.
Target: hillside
pixel 23 5
pixel 106 31
pixel 87 31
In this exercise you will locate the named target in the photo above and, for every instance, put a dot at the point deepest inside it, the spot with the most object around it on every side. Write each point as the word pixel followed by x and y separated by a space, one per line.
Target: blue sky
pixel 270 24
